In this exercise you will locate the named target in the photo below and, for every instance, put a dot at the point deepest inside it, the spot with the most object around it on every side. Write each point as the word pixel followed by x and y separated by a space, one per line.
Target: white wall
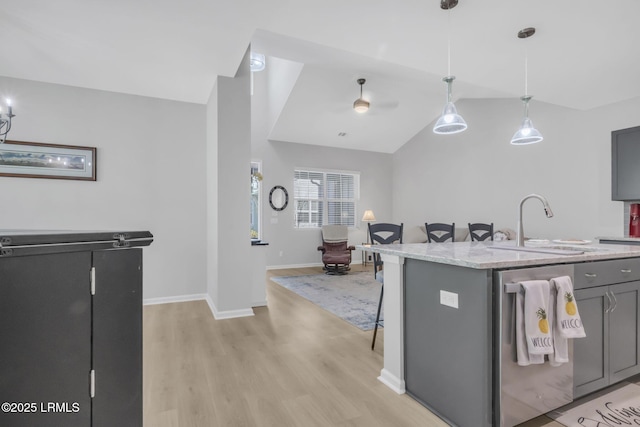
pixel 477 176
pixel 157 170
pixel 233 279
pixel 150 168
pixel 212 196
pixel 289 246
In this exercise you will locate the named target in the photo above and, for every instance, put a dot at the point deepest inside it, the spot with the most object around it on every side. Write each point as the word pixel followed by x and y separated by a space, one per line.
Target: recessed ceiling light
pixel 257 61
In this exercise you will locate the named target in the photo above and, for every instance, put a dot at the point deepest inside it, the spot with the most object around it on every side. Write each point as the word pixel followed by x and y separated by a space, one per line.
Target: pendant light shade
pixel 527 134
pixel 450 121
pixel 361 105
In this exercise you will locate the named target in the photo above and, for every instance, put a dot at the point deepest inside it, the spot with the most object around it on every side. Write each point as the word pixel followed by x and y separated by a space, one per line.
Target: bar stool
pixel 382 234
pixel 479 231
pixel 439 232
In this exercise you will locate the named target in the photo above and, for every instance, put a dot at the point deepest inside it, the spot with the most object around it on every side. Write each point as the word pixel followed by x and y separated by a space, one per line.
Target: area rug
pixel 353 297
pixel 619 407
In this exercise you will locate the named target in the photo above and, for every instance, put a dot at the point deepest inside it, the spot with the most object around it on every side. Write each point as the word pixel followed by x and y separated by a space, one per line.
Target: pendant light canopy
pixel 450 121
pixel 527 134
pixel 361 105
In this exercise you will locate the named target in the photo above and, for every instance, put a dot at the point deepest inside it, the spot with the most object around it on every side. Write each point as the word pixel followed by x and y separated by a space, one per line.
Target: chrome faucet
pixel 547 210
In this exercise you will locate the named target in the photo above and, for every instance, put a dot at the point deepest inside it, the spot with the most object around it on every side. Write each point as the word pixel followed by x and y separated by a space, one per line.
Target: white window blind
pixel 323 197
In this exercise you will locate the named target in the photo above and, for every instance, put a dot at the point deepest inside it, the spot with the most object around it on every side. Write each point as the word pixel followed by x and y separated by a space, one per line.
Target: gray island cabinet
pixel 608 297
pixel 71 328
pixel 449 327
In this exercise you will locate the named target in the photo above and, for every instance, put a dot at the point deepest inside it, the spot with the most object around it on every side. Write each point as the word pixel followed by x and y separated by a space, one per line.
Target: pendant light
pixel 361 105
pixel 527 134
pixel 450 121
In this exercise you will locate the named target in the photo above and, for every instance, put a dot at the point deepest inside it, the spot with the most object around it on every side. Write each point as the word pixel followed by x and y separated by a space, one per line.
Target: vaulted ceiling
pixel 584 54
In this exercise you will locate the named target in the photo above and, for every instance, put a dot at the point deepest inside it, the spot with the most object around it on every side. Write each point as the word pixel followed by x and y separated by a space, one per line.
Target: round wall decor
pixel 278 198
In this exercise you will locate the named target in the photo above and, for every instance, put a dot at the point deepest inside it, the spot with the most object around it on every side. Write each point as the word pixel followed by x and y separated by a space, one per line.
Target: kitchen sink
pixel 551 249
pixel 576 248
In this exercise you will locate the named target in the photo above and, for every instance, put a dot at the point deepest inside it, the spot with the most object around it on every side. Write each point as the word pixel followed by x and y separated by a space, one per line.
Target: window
pixel 325 197
pixel 256 178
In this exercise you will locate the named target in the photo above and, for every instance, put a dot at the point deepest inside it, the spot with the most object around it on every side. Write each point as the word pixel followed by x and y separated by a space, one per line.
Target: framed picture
pixel 38 160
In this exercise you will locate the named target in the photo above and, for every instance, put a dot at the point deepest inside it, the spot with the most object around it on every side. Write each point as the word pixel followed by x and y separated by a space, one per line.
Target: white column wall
pixel 230 282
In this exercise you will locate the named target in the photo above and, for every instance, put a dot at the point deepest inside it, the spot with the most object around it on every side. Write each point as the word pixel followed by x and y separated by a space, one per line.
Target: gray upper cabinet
pixel 625 164
pixel 609 311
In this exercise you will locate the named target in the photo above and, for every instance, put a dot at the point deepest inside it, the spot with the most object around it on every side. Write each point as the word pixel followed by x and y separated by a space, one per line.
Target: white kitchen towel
pixel 568 319
pixel 560 344
pixel 536 324
pixel 565 319
pixel 522 351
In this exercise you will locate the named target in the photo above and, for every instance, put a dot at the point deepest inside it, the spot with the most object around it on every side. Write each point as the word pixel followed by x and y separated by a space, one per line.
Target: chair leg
pixel 375 328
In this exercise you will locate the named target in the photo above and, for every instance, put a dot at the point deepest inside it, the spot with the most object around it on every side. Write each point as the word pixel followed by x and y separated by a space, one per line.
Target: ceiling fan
pixel 361 105
pixel 368 105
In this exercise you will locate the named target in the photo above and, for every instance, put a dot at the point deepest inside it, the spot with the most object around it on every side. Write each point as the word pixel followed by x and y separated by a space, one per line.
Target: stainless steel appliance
pixel 526 392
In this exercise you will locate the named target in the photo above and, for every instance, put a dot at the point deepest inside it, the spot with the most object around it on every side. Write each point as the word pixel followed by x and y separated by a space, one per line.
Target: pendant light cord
pixel 526 70
pixel 449 41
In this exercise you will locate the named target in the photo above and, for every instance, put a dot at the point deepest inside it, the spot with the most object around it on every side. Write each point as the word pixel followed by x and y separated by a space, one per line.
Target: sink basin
pixel 555 250
pixel 575 248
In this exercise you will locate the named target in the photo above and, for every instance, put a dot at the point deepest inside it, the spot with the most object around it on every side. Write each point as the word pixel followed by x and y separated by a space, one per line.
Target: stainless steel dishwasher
pixel 525 392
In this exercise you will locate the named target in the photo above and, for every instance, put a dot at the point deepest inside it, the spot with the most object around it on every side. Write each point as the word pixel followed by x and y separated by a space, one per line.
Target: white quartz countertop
pixel 485 255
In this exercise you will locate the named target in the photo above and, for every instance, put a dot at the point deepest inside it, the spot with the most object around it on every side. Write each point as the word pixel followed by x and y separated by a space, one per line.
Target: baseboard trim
pixel 282 267
pixel 218 315
pixel 228 314
pixel 177 298
pixel 313 264
pixel 394 383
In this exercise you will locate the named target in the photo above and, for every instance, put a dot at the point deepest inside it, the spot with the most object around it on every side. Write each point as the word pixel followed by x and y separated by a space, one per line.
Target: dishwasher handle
pixel 512 288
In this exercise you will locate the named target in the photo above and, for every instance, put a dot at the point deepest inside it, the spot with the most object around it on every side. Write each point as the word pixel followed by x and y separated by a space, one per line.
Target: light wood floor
pixel 292 364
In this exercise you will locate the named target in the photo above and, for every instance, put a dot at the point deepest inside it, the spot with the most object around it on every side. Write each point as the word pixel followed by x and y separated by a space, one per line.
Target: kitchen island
pixel 444 339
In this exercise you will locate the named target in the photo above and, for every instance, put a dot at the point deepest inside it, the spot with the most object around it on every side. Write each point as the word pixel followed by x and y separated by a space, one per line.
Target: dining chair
pixel 479 231
pixel 439 232
pixel 382 234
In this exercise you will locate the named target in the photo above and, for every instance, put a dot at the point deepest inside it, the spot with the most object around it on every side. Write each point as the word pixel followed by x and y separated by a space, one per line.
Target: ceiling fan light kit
pixel 361 105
